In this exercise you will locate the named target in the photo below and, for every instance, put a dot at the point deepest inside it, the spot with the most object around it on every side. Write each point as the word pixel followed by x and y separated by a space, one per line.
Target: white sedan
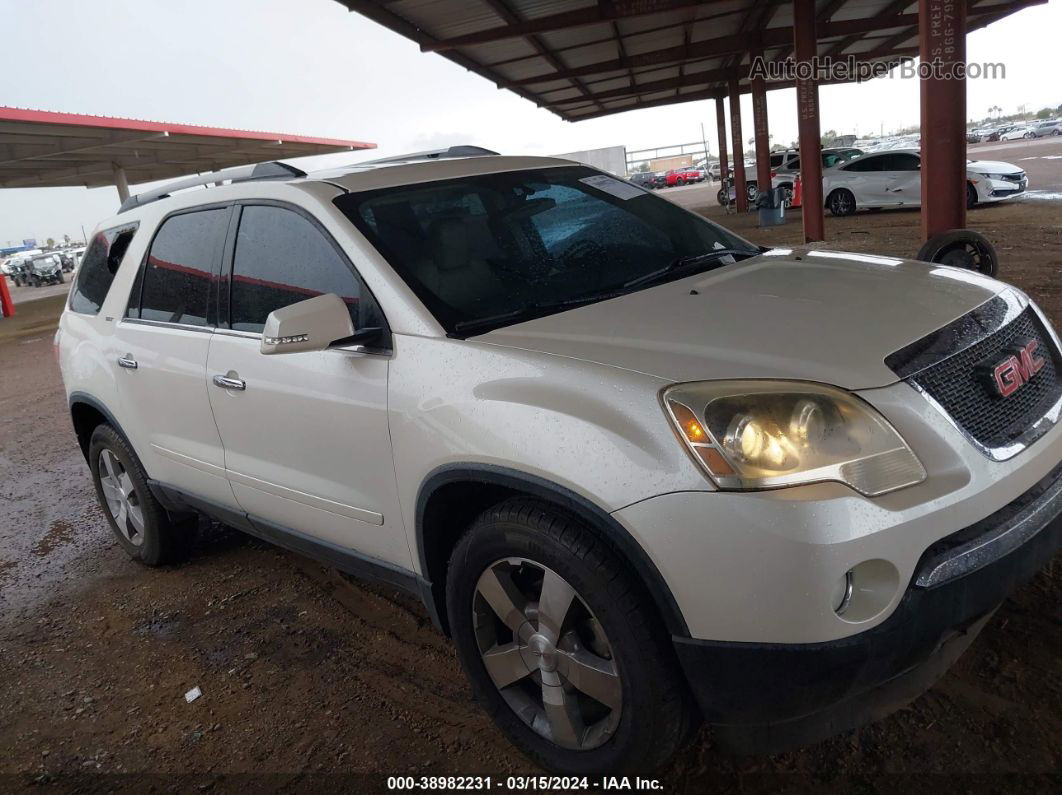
pixel 1017 133
pixel 894 179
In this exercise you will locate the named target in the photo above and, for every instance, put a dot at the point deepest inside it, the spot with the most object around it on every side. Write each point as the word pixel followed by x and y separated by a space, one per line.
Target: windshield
pixel 530 242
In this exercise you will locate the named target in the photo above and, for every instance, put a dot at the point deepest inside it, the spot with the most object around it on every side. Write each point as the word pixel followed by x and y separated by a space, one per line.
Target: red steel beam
pixel 566 20
pixel 739 147
pixel 763 137
pixel 805 48
pixel 720 125
pixel 942 43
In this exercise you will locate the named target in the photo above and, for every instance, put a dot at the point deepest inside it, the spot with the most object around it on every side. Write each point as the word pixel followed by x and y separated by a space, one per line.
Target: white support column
pixel 120 182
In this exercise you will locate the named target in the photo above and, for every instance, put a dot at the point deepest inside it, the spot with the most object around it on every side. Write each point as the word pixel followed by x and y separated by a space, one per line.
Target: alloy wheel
pixel 547 653
pixel 842 204
pixel 122 500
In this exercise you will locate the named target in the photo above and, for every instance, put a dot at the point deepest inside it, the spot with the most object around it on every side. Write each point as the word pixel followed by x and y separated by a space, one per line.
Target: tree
pixel 66 240
pixel 1043 113
pixel 50 242
pixel 641 168
pixel 829 137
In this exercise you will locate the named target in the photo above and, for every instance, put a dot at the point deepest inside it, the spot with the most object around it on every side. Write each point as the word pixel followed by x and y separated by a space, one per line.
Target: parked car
pixel 641 471
pixel 45 269
pixel 1016 133
pixel 683 176
pixel 65 259
pixel 894 179
pixel 19 271
pixel 785 166
pixel 648 179
pixel 1049 127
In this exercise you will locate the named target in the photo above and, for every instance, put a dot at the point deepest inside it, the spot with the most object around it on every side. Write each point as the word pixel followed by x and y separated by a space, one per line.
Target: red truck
pixel 681 176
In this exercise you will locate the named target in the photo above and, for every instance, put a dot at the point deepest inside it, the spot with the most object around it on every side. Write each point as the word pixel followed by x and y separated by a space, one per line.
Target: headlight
pixel 990 176
pixel 768 434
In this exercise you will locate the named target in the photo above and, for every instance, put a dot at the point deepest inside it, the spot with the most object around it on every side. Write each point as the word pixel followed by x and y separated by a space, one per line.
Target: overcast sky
pixel 311 67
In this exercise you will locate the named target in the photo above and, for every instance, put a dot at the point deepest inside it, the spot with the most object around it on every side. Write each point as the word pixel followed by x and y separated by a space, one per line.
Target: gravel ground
pixel 312 682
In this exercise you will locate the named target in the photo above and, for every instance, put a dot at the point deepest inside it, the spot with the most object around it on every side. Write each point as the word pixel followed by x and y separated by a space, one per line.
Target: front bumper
pixel 769 697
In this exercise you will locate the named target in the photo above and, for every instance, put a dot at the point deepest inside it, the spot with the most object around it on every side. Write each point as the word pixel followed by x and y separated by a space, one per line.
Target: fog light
pixel 843 593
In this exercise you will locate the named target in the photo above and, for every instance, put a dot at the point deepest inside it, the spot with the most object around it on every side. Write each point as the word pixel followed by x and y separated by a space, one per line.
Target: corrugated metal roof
pixel 41 148
pixel 584 58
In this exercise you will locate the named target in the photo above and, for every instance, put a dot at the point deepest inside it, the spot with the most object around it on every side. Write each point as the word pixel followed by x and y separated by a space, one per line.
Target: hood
pixel 790 313
pixel 992 167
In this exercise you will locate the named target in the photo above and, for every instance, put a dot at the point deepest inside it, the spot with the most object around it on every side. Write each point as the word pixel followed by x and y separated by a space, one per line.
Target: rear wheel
pixel 140 523
pixel 841 202
pixel 562 646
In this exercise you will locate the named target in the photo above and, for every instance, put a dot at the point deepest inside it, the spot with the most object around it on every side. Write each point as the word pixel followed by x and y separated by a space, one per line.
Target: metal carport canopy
pixel 45 149
pixel 583 59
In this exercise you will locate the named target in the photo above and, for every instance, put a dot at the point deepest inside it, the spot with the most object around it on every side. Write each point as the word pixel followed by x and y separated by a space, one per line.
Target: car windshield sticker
pixel 613 187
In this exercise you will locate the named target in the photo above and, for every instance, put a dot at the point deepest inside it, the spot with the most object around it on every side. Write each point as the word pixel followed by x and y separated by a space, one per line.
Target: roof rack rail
pixel 273 169
pixel 436 154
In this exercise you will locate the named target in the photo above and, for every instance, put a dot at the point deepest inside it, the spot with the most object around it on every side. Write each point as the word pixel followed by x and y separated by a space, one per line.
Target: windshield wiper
pixel 530 311
pixel 689 261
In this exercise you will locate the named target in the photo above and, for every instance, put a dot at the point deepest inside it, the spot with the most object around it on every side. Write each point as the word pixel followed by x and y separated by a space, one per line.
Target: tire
pixel 1029 135
pixel 971 196
pixel 1056 132
pixel 147 533
pixel 680 182
pixel 961 248
pixel 722 198
pixel 841 202
pixel 62 278
pixel 511 551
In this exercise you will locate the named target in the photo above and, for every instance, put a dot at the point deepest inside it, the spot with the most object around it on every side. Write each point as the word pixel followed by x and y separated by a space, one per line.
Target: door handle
pixel 127 361
pixel 227 382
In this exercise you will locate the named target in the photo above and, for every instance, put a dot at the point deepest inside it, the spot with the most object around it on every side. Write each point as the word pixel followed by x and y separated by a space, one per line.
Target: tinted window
pixel 98 267
pixel 177 275
pixel 900 161
pixel 282 258
pixel 865 164
pixel 513 242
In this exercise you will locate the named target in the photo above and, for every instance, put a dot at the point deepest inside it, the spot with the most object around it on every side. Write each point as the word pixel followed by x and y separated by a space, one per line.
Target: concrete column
pixel 120 182
pixel 739 147
pixel 942 45
pixel 805 48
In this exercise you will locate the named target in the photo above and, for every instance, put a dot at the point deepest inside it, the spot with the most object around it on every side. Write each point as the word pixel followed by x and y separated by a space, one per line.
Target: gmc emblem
pixel 1012 373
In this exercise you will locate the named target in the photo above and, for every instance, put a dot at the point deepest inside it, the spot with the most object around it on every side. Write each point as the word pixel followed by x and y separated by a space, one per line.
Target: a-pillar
pixel 942 46
pixel 738 147
pixel 805 49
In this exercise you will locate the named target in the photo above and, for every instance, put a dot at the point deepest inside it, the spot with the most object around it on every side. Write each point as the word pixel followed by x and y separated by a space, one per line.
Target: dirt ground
pixel 314 683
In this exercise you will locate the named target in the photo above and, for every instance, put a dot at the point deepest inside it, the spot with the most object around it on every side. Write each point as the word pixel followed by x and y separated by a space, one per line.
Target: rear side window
pixel 865 164
pixel 98 267
pixel 176 278
pixel 282 258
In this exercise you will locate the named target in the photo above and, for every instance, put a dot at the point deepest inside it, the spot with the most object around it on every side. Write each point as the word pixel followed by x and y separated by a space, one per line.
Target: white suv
pixel 641 471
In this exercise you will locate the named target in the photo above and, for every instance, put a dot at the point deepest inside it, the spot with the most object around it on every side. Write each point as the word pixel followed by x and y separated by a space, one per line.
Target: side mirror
pixel 310 325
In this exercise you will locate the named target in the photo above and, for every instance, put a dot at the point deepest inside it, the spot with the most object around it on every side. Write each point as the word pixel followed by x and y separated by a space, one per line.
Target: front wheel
pixel 841 202
pixel 971 196
pixel 562 646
